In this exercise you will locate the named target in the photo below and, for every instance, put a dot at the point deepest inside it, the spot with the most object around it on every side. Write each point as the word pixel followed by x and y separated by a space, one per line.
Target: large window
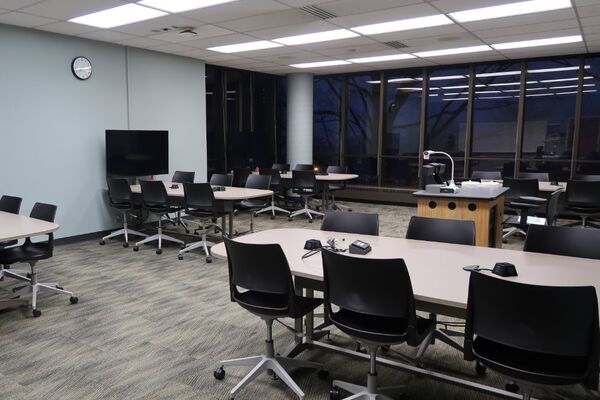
pixel 327 106
pixel 550 98
pixel 588 153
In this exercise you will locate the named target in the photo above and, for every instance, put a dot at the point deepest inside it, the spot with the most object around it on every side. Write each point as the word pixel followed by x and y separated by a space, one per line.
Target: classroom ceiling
pixel 244 21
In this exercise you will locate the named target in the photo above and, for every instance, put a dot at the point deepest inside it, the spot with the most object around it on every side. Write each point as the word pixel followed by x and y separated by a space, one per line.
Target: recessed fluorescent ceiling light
pixel 538 42
pixel 460 87
pixel 392 57
pixel 320 64
pixel 536 88
pixel 559 69
pixel 572 86
pixel 455 94
pixel 117 16
pixel 403 25
pixel 175 6
pixel 316 37
pixel 505 84
pixel 449 52
pixel 433 95
pixel 457 99
pixel 505 73
pixel 507 10
pixel 403 80
pixel 563 79
pixel 237 48
pixel 442 78
pixel 410 88
pixel 573 92
pixel 511 90
pixel 494 97
pixel 540 94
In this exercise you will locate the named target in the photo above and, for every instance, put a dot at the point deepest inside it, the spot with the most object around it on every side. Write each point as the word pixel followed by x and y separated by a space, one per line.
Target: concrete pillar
pixel 299 119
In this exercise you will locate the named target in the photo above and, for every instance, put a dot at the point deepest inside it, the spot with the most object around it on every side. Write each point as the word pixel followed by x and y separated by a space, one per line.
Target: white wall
pixel 52 125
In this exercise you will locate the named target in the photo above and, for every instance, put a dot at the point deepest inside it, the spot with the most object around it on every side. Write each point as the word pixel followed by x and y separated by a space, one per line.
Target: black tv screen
pixel 137 153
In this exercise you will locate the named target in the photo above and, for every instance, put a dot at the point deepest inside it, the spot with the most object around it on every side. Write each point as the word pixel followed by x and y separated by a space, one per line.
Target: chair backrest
pixel 441 230
pixel 552 207
pixel 378 287
pixel 563 241
pixel 303 179
pixel 304 167
pixel 221 179
pixel 584 193
pixel 521 187
pixel 255 181
pixel 351 222
pixel 281 167
pixel 119 190
pixel 586 178
pixel 154 193
pixel 240 175
pixel 43 211
pixel 562 321
pixel 337 169
pixel 540 176
pixel 199 196
pixel 258 267
pixel 274 174
pixel 487 174
pixel 183 176
pixel 10 204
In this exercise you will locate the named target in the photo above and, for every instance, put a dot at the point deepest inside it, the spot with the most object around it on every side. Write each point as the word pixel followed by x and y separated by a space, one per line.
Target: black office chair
pixel 563 241
pixel 200 203
pixel 494 175
pixel 441 230
pixel 255 182
pixel 380 311
pixel 593 178
pixel 550 216
pixel 583 199
pixel 178 178
pixel 32 252
pixel 121 198
pixel 221 180
pixel 240 176
pixel 281 167
pixel 9 204
pixel 278 191
pixel 540 176
pixel 535 335
pixel 337 186
pixel 304 184
pixel 522 197
pixel 156 201
pixel 304 167
pixel 359 223
pixel 260 281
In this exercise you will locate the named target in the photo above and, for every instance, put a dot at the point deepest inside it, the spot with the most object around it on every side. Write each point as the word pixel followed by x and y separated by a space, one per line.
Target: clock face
pixel 82 68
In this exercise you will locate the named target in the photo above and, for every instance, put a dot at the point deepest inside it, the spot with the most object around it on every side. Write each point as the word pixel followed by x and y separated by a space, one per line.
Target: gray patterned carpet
pixel 153 327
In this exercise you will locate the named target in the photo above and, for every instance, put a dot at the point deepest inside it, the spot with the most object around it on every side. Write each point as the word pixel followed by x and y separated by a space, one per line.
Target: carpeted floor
pixel 153 327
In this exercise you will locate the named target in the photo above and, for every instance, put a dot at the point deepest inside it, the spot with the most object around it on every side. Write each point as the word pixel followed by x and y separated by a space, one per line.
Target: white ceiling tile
pixel 220 57
pixel 302 3
pixel 271 20
pixel 323 47
pixel 545 51
pixel 447 6
pixel 359 51
pixel 520 20
pixel 16 4
pixel 67 9
pixel 590 22
pixel 3 11
pixel 204 31
pixel 546 28
pixel 392 14
pixel 142 42
pixel 292 30
pixel 581 3
pixel 198 53
pixel 537 35
pixel 156 25
pixel 589 11
pixel 67 28
pixel 236 10
pixel 220 41
pixel 433 43
pixel 22 19
pixel 106 36
pixel 296 57
pixel 446 33
pixel 172 48
pixel 353 7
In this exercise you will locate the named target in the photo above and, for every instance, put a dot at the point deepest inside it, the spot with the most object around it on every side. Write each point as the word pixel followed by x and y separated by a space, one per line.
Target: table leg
pixel 231 225
pixel 223 231
pixel 325 196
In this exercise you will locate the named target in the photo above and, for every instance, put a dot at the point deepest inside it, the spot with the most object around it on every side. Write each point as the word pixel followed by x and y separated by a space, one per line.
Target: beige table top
pixel 328 177
pixel 435 268
pixel 230 193
pixel 14 226
pixel 545 186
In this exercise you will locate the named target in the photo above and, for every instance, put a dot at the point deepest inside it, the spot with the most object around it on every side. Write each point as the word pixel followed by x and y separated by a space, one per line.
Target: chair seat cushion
pixel 122 206
pixel 583 209
pixel 531 366
pixel 303 191
pixel 26 252
pixel 375 328
pixel 253 203
pixel 275 305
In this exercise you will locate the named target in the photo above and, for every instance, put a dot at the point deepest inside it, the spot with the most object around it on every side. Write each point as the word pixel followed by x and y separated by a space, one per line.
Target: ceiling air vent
pixel 318 12
pixel 395 44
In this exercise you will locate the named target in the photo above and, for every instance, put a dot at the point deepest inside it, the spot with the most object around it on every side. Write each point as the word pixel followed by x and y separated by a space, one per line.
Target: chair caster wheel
pixel 512 387
pixel 255 215
pixel 334 394
pixel 74 300
pixel 290 219
pixel 60 287
pixel 310 221
pixel 385 349
pixel 36 313
pixel 125 245
pixel 180 257
pixel 159 251
pixel 272 217
pixel 480 369
pixel 209 259
pixel 102 243
pixel 135 248
pixel 219 374
pixel 187 231
pixel 323 374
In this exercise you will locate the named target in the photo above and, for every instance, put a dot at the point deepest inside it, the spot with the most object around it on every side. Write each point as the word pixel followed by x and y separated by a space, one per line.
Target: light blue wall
pixel 52 125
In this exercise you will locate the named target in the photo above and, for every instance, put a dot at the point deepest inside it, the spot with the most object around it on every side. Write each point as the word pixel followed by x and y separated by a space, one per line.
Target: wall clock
pixel 81 68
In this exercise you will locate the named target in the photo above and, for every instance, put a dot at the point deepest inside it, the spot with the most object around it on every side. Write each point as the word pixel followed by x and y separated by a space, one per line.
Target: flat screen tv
pixel 137 153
